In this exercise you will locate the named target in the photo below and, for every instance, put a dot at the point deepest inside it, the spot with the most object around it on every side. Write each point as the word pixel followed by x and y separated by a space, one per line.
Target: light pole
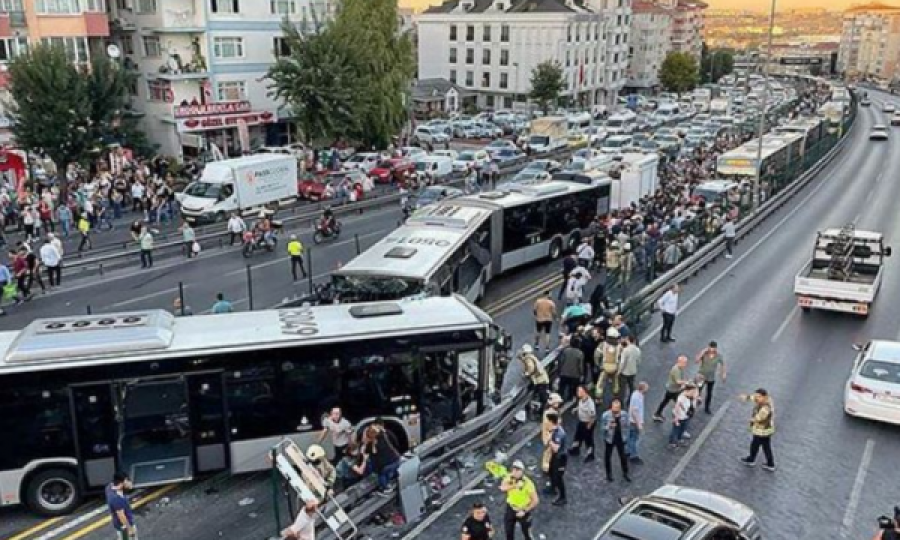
pixel 516 84
pixel 762 114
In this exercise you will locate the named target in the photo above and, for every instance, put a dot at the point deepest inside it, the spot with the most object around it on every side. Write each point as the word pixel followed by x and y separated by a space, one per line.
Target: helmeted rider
pixel 327 223
pixel 264 227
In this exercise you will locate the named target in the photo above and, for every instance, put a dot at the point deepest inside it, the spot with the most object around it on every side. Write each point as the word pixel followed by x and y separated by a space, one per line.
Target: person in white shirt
pixel 341 431
pixel 51 259
pixel 668 305
pixel 585 253
pixel 729 231
pixel 57 243
pixel 575 286
pixel 236 228
pixel 304 527
pixel 137 196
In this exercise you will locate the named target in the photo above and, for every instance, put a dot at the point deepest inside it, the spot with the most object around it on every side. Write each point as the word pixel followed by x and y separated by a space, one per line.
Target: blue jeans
pixel 631 444
pixel 678 431
pixel 387 474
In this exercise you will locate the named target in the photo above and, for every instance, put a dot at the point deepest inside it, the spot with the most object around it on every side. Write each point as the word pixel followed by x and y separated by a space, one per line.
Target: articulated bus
pixel 166 400
pixel 458 245
pixel 780 151
pixel 812 129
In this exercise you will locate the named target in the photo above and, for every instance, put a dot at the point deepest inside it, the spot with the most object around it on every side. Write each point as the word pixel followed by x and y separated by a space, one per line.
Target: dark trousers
pixel 764 442
pixel 509 524
pixel 628 382
pixel 232 236
pixel 669 397
pixel 146 258
pixel 85 241
pixel 668 322
pixel 189 249
pixel 709 393
pixel 543 393
pixel 557 473
pixel 567 386
pixel 729 244
pixel 562 289
pixel 619 446
pixel 35 275
pixel 54 275
pixel 24 285
pixel 584 436
pixel 297 262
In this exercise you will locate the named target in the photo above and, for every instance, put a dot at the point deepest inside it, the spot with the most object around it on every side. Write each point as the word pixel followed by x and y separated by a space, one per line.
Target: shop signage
pixel 225 121
pixel 212 109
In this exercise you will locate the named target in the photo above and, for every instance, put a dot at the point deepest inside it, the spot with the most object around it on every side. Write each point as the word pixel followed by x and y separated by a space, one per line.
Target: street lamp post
pixel 516 84
pixel 762 114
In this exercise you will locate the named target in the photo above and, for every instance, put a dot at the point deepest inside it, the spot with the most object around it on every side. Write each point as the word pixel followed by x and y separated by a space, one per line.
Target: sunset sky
pixel 745 4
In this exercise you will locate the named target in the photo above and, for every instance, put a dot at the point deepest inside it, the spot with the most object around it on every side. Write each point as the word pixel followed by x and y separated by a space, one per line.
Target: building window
pixel 489 101
pixel 504 33
pixel 452 55
pixel 485 80
pixel 58 7
pixel 452 32
pixel 470 56
pixel 283 7
pixel 504 57
pixel 569 34
pixel 280 47
pixel 568 59
pixel 145 6
pixel 231 91
pixel 486 57
pixel 577 33
pixel 12 47
pixel 487 32
pixel 159 91
pixel 470 32
pixel 226 6
pixel 11 6
pixel 76 47
pixel 228 47
pixel 152 48
pixel 453 76
pixel 504 80
pixel 94 6
pixel 470 78
pixel 507 102
pixel 127 43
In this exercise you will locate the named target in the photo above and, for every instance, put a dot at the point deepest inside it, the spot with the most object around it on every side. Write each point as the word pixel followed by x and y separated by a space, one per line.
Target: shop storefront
pixel 233 127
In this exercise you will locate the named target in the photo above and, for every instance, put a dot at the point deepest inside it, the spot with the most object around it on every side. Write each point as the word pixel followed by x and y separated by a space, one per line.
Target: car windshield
pixel 385 165
pixel 372 289
pixel 710 195
pixel 539 139
pixel 615 122
pixel 204 190
pixel 615 143
pixel 422 165
pixel 467 156
pixel 357 158
pixel 886 372
pixel 578 166
pixel 499 144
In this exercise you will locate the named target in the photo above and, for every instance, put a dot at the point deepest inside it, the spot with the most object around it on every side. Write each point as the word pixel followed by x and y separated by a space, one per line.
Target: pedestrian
pixel 179 309
pixel 676 381
pixel 221 305
pixel 668 305
pixel 532 368
pixel 188 237
pixel 316 456
pixel 762 427
pixel 120 508
pixel 568 264
pixel 711 362
pixel 629 361
pixel 20 273
pixel 614 426
pixel 236 228
pixel 295 250
pixel 145 239
pixel 682 414
pixel 304 526
pixel 52 261
pixel 636 422
pixel 544 315
pixel 34 270
pixel 554 406
pixel 478 525
pixel 575 285
pixel 729 231
pixel 585 253
pixel 559 457
pixel 383 456
pixel 64 216
pixel 586 412
pixel 521 500
pixel 28 217
pixel 340 429
pixel 571 366
pixel 84 229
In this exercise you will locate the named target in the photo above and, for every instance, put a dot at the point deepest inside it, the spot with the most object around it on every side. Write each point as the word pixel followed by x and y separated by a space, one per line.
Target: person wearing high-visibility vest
pixel 295 250
pixel 521 500
pixel 84 228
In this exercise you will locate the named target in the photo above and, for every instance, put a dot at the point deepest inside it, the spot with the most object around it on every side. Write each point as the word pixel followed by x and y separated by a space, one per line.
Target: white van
pixel 433 167
pixel 668 112
pixel 621 123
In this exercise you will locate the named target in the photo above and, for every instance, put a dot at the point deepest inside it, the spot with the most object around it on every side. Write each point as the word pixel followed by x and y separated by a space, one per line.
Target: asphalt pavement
pixel 835 474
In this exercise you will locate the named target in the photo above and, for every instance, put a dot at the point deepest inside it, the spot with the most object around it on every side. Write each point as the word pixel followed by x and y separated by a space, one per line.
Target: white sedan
pixel 895 119
pixel 365 162
pixel 888 108
pixel 873 389
pixel 879 133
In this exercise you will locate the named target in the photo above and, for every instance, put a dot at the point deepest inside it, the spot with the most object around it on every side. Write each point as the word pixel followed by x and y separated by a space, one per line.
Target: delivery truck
pixel 242 185
pixel 548 134
pixel 634 176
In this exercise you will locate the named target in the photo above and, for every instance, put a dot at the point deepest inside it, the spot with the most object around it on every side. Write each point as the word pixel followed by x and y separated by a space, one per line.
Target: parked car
pixel 549 165
pixel 452 154
pixel 296 149
pixel 435 194
pixel 489 130
pixel 364 161
pixel 432 135
pixel 464 129
pixel 393 169
pixel 327 186
pixel 530 176
pixel 413 152
pixel 616 144
pixel 873 388
pixel 471 158
pixel 507 156
pixel 498 145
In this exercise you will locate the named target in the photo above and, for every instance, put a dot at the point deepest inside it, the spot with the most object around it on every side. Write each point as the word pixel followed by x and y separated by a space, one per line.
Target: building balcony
pixel 184 20
pixel 179 76
pixel 123 25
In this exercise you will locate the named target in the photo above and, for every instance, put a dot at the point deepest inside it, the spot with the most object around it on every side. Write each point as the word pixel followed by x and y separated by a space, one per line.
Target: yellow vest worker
pixel 521 499
pixel 295 250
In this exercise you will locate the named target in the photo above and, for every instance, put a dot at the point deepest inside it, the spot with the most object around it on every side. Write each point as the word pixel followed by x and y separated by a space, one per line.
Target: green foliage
pixel 352 78
pixel 678 72
pixel 715 65
pixel 546 84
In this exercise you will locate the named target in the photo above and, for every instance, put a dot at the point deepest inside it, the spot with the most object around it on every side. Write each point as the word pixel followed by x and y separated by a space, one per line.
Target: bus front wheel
pixel 53 492
pixel 555 249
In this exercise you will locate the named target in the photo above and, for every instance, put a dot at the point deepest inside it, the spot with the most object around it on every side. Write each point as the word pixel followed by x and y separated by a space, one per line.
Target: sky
pixel 720 4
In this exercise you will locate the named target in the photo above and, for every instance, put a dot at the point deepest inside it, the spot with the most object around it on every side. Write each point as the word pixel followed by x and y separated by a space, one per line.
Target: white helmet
pixel 315 453
pixel 527 349
pixel 612 333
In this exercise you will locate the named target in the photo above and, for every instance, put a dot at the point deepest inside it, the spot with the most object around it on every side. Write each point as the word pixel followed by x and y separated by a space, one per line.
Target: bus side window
pixel 310 388
pixel 252 404
pixel 35 423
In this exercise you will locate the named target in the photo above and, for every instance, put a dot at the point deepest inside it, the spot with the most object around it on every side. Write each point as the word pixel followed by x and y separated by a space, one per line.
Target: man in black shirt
pixel 478 525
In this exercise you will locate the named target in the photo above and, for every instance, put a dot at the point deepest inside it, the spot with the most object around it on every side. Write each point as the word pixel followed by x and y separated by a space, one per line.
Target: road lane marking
pixel 37 528
pixel 697 443
pixel 148 296
pixel 793 313
pixel 856 493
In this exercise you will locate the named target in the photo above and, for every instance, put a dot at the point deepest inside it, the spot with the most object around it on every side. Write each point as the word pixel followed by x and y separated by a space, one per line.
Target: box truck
pixel 636 176
pixel 548 134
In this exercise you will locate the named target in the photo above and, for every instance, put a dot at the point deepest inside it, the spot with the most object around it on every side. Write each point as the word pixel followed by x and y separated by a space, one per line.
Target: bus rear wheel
pixel 555 249
pixel 53 492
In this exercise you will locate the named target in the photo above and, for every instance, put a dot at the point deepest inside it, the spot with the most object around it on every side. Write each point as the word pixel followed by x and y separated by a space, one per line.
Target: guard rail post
pixel 309 274
pixel 181 296
pixel 250 286
pixel 356 239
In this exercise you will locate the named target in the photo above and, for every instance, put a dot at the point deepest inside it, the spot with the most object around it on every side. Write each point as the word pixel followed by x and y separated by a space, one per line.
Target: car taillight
pixel 859 388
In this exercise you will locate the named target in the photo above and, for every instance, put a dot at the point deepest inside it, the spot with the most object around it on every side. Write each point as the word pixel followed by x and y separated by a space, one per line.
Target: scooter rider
pixel 265 228
pixel 327 223
pixel 890 529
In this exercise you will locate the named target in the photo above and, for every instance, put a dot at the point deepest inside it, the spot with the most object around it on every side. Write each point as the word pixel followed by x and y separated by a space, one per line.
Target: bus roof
pixel 515 195
pixel 66 342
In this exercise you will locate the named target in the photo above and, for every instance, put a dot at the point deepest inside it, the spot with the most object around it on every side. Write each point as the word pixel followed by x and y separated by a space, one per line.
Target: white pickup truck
pixel 845 272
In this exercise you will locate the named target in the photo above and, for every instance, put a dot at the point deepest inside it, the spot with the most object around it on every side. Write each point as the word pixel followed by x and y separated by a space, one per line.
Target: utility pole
pixel 762 114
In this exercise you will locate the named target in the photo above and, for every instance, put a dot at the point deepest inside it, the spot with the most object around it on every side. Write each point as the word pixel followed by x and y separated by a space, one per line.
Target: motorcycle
pixel 259 242
pixel 323 233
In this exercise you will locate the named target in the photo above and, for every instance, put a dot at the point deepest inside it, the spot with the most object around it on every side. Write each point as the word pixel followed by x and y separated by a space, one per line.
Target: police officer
pixel 478 525
pixel 521 500
pixel 295 250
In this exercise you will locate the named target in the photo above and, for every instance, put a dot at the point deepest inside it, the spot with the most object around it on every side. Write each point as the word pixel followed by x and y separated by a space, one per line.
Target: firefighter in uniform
pixel 607 356
pixel 554 406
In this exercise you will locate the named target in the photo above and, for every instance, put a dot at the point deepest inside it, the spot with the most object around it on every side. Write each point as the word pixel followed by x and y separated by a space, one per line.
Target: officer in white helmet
pixel 532 368
pixel 319 460
pixel 607 356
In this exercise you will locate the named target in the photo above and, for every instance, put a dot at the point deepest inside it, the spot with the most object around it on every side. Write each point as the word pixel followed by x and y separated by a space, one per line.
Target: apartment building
pixel 687 26
pixel 202 66
pixel 491 47
pixel 651 41
pixel 81 26
pixel 870 42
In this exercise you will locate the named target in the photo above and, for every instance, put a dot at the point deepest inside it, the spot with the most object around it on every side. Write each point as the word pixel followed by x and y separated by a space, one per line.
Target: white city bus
pixel 458 245
pixel 166 400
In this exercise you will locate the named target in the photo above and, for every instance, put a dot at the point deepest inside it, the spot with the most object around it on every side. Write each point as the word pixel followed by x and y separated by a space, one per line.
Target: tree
pixel 678 72
pixel 64 110
pixel 546 84
pixel 715 64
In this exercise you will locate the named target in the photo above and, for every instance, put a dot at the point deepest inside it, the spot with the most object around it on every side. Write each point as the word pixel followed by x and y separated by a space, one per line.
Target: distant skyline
pixel 756 5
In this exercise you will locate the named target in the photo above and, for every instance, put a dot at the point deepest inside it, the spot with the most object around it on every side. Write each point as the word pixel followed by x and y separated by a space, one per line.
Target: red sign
pixel 212 109
pixel 225 121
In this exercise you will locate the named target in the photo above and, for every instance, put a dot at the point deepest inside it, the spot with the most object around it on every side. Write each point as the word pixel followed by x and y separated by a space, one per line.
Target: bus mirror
pixel 888 251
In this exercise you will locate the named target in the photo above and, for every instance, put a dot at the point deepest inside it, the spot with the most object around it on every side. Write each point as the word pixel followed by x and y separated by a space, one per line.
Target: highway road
pixel 835 474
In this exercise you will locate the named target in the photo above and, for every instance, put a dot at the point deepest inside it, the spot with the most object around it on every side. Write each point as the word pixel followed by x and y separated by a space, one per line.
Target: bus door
pixel 208 421
pixel 94 414
pixel 155 436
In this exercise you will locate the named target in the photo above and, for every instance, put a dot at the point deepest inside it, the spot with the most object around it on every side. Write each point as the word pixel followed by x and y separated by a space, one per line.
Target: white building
pixel 651 35
pixel 491 47
pixel 687 26
pixel 870 42
pixel 202 66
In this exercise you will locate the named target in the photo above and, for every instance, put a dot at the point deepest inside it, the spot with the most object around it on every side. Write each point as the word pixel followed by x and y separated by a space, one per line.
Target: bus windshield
pixel 375 288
